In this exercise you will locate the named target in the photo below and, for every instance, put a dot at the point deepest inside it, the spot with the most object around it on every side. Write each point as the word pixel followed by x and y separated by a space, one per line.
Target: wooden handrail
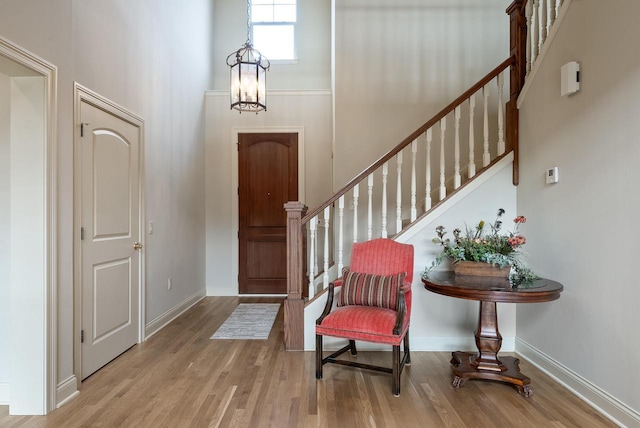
pixel 431 122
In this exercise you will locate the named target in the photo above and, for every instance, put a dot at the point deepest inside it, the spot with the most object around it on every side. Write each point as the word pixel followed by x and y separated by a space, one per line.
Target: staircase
pixel 439 159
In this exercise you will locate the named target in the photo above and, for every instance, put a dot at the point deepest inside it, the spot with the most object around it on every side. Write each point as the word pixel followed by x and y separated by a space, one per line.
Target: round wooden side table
pixel 485 364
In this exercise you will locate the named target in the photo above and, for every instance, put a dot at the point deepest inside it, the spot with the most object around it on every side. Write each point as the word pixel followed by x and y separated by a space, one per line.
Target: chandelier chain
pixel 248 22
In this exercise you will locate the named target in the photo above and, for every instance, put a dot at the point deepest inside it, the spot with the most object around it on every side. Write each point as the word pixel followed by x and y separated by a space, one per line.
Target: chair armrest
pixel 329 304
pixel 402 311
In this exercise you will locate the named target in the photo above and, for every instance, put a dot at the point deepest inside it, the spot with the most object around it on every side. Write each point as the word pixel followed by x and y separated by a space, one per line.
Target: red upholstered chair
pixel 374 305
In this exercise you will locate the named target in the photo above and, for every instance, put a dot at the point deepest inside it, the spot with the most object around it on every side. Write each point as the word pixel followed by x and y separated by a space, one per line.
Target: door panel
pixel 111 170
pixel 111 287
pixel 268 178
pixel 110 205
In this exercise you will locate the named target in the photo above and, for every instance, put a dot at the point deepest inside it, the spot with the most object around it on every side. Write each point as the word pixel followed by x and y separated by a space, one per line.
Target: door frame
pixel 83 94
pixel 235 209
pixel 43 340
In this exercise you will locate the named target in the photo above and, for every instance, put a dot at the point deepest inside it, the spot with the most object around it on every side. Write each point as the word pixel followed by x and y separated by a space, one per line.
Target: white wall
pixel 160 70
pixel 312 70
pixel 584 229
pixel 5 266
pixel 439 322
pixel 153 59
pixel 305 111
pixel 399 63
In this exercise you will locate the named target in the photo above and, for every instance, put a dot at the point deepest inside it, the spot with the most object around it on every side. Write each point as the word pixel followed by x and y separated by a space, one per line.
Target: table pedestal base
pixel 465 368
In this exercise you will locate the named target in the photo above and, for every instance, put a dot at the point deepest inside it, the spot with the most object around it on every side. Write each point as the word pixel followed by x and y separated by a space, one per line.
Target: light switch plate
pixel 552 175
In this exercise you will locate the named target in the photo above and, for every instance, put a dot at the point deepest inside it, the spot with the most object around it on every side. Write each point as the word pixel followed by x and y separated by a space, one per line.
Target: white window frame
pixel 272 23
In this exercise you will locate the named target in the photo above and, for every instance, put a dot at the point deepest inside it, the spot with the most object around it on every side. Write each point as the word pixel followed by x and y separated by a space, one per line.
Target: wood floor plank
pixel 182 378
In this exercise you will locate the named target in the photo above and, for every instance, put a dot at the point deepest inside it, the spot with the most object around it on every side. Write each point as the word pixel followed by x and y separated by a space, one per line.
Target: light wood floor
pixel 181 378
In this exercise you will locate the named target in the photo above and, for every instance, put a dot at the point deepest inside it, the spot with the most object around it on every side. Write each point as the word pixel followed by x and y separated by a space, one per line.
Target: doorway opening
pixel 28 373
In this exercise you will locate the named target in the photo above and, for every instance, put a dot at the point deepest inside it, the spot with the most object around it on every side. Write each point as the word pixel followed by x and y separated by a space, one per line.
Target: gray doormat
pixel 249 321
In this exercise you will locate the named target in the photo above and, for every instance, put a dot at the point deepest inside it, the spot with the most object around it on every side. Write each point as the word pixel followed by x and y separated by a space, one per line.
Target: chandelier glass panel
pixel 248 72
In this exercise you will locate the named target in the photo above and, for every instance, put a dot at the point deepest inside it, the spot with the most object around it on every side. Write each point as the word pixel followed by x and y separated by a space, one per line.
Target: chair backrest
pixel 382 257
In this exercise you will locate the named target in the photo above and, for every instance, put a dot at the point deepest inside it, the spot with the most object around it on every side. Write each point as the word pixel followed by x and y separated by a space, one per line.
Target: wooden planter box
pixel 481 269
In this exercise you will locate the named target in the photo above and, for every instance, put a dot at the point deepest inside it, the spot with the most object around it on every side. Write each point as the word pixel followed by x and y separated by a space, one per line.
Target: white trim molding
pixel 278 93
pixel 163 320
pixel 618 412
pixel 66 391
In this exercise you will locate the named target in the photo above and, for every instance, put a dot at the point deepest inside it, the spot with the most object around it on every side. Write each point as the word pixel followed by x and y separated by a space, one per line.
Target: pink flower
pixel 520 219
pixel 517 241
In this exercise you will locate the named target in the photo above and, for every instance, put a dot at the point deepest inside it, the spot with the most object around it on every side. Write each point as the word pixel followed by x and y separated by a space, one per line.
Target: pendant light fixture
pixel 248 75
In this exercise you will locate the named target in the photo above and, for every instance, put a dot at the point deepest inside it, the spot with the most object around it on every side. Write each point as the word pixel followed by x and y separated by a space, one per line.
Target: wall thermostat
pixel 552 175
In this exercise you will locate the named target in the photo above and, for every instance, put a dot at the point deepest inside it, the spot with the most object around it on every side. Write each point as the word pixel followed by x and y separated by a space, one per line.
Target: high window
pixel 273 24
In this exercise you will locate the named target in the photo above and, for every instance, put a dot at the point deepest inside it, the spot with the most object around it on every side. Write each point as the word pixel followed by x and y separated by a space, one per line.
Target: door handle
pixel 137 246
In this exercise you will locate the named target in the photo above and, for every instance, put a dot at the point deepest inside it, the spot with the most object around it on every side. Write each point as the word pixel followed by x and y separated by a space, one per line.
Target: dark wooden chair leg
pixel 318 356
pixel 354 351
pixel 407 352
pixel 396 371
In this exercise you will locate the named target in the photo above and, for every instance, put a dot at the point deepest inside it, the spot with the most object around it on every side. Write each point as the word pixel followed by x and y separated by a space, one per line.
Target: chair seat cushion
pixel 366 323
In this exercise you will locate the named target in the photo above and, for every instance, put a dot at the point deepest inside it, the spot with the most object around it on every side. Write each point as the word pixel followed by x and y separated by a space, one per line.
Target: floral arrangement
pixel 488 245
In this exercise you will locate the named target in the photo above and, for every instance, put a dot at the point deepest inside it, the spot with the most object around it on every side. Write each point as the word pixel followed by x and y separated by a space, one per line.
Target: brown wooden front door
pixel 267 179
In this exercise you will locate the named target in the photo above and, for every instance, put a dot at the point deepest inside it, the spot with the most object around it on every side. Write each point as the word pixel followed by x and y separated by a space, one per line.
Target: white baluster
pixel 414 152
pixel 501 147
pixel 552 13
pixel 399 193
pixel 543 21
pixel 486 158
pixel 356 195
pixel 312 255
pixel 385 174
pixel 370 210
pixel 471 170
pixel 325 276
pixel 443 130
pixel 340 235
pixel 427 191
pixel 456 160
pixel 536 30
pixel 528 11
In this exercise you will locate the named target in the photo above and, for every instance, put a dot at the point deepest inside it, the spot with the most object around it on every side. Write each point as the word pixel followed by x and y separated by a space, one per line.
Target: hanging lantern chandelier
pixel 248 75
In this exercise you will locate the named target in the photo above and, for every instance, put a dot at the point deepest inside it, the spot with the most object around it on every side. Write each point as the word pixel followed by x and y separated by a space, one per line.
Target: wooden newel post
pixel 294 303
pixel 518 46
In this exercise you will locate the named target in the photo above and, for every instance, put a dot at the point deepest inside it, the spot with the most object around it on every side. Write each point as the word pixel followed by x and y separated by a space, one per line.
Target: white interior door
pixel 111 256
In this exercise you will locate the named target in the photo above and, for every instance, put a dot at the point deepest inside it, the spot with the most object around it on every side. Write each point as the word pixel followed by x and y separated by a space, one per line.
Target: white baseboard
pixel 4 393
pixel 157 324
pixel 66 391
pixel 618 412
pixel 419 344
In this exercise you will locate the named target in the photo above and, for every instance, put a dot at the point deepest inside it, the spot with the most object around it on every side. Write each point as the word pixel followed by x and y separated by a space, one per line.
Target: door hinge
pixel 81 336
pixel 82 233
pixel 82 130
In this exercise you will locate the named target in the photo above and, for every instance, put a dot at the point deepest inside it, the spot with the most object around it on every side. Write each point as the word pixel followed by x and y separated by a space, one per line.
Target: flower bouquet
pixel 487 245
